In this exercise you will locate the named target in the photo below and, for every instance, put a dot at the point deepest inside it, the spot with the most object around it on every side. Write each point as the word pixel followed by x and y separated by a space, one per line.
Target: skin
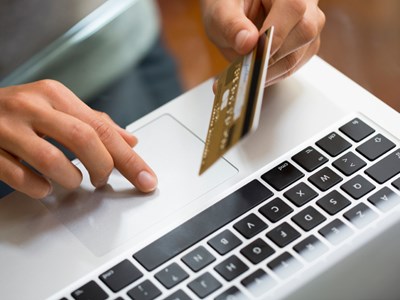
pixel 235 25
pixel 46 108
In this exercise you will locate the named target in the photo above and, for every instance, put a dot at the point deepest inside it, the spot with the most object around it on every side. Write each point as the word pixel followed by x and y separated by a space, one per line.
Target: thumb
pixel 228 26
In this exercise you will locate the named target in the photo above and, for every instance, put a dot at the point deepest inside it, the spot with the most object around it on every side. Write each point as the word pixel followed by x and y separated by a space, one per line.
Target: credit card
pixel 237 103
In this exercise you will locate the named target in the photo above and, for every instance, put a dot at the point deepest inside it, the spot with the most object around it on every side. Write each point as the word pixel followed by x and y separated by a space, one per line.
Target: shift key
pixel 386 168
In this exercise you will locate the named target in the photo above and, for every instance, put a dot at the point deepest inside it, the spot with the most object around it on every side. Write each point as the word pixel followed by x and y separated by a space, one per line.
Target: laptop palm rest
pixel 104 218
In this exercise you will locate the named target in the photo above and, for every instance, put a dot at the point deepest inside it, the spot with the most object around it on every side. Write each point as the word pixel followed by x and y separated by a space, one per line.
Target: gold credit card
pixel 237 102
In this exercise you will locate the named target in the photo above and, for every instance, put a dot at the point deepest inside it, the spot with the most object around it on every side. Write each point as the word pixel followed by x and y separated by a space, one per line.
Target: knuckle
pixel 131 160
pixel 103 130
pixel 54 90
pixel 22 101
pixel 18 101
pixel 104 116
pixel 81 133
pixel 48 160
pixel 49 85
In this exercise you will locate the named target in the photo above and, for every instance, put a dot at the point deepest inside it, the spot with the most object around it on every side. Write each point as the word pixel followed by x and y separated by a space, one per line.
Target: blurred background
pixel 361 38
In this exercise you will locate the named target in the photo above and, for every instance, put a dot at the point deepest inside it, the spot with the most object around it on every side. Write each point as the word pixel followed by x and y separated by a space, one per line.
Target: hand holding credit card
pixel 237 102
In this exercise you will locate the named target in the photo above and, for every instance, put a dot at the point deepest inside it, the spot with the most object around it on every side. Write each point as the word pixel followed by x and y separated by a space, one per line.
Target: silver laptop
pixel 306 207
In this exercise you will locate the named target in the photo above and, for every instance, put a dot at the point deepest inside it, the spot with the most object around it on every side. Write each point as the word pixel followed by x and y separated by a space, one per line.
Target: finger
pixel 44 157
pixel 285 65
pixel 283 15
pixel 82 140
pixel 21 178
pixel 306 31
pixel 228 26
pixel 41 155
pixel 290 64
pixel 215 85
pixel 129 138
pixel 125 160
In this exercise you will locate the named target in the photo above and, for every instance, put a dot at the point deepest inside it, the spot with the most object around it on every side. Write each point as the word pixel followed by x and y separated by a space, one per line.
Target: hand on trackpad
pixel 103 219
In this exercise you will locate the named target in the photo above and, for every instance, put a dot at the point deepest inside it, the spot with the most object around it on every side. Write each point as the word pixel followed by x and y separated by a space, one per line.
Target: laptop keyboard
pixel 271 228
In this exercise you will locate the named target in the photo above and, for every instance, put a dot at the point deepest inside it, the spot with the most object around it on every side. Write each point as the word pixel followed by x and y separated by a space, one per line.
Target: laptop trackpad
pixel 103 219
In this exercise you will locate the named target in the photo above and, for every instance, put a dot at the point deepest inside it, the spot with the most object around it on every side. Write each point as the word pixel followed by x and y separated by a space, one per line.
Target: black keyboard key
pixel 204 285
pixel 386 168
pixel 258 283
pixel 360 215
pixel 375 147
pixel 396 183
pixel 231 268
pixel 171 275
pixel 250 226
pixel 333 202
pixel 285 265
pixel 283 235
pixel 121 275
pixel 333 144
pixel 282 176
pixel 357 187
pixel 310 248
pixel 310 159
pixel 385 199
pixel 90 290
pixel 324 179
pixel 198 258
pixel 300 194
pixel 202 225
pixel 144 291
pixel 349 163
pixel 178 295
pixel 357 130
pixel 336 232
pixel 257 251
pixel 308 218
pixel 224 242
pixel 275 210
pixel 231 294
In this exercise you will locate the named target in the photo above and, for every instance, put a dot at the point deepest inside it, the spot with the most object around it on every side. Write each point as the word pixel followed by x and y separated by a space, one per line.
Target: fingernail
pixel 241 39
pixel 147 181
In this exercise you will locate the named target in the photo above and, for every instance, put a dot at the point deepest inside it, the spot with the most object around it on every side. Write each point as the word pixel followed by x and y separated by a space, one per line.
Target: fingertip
pixel 132 140
pixel 245 41
pixel 146 181
pixel 129 138
pixel 101 183
pixel 43 192
pixel 215 85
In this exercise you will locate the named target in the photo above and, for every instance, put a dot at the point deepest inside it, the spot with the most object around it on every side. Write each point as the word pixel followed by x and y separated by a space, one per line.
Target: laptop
pixel 305 207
